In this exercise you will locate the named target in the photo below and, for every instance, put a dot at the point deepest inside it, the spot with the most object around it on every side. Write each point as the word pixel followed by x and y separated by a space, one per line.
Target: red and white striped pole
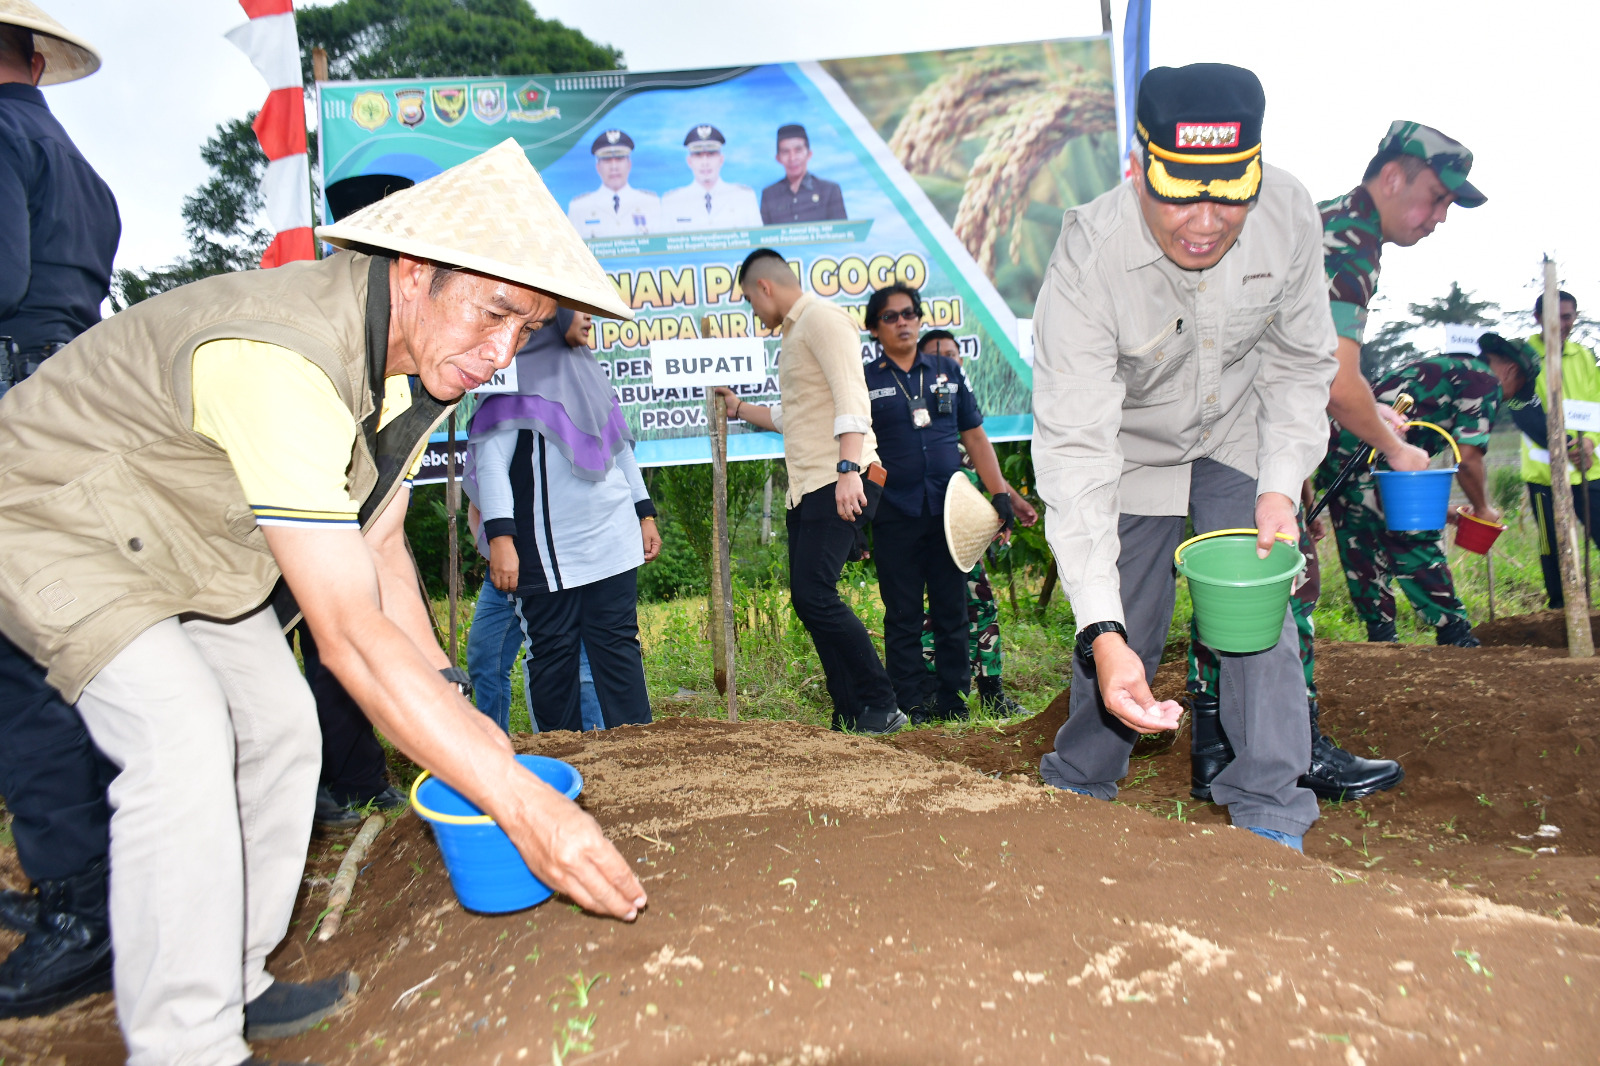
pixel 269 40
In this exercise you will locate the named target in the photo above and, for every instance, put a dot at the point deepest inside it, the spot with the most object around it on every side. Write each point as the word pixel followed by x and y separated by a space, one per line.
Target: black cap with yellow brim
pixel 1200 127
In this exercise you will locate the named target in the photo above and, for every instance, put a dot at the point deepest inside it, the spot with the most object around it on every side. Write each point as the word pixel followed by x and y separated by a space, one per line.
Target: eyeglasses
pixel 889 318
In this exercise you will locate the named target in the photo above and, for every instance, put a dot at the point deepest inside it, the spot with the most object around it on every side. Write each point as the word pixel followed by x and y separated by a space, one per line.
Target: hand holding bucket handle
pixel 1443 433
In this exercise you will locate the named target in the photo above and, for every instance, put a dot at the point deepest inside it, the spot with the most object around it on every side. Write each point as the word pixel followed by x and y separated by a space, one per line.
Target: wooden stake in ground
pixel 452 503
pixel 723 646
pixel 1580 640
pixel 344 882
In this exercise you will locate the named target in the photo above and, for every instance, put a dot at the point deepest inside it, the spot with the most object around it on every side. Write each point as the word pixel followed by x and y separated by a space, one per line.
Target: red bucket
pixel 1474 534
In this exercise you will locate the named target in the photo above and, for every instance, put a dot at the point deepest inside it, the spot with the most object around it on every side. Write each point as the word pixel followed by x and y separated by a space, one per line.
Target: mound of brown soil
pixel 1546 629
pixel 823 899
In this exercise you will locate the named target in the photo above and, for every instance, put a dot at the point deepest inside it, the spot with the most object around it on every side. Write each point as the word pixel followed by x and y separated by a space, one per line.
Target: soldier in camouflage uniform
pixel 1405 193
pixel 1461 393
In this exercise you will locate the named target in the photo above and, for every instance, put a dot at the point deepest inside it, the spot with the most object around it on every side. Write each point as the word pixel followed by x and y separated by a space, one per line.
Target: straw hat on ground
pixel 67 57
pixel 493 215
pixel 970 521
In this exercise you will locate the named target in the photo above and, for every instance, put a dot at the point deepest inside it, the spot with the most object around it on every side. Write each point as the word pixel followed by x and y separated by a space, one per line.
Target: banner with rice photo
pixel 947 171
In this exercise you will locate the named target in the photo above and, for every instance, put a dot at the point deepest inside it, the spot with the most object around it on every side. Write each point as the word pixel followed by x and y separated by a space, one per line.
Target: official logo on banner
pixel 370 110
pixel 410 103
pixel 449 103
pixel 533 104
pixel 489 103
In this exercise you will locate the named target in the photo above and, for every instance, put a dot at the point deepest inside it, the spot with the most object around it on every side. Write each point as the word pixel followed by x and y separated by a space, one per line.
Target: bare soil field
pixel 819 898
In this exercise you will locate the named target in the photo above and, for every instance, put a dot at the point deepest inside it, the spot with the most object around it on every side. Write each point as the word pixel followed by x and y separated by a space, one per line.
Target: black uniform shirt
pixel 919 461
pixel 58 226
pixel 816 201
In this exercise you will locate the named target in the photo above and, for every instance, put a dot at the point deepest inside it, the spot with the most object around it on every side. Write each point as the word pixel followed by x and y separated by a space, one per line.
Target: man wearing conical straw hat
pixel 58 235
pixel 262 428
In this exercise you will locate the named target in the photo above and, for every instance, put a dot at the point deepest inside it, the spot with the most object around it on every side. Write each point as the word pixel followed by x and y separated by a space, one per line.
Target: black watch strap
pixel 847 467
pixel 1086 635
pixel 459 678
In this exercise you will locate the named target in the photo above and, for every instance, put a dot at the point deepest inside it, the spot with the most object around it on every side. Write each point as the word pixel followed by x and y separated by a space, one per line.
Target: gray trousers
pixel 215 732
pixel 1263 695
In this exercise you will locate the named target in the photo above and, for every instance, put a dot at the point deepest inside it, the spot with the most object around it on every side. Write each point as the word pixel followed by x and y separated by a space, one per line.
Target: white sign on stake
pixel 1581 415
pixel 708 361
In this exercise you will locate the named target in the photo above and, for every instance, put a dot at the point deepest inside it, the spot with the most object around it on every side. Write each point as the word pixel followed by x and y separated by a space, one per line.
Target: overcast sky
pixel 1335 76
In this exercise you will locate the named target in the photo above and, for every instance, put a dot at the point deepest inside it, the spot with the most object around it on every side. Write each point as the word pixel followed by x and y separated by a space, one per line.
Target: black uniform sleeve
pixel 1529 416
pixel 15 253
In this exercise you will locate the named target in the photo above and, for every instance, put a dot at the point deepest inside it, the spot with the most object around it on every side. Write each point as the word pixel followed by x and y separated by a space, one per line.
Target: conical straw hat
pixel 970 522
pixel 491 214
pixel 67 57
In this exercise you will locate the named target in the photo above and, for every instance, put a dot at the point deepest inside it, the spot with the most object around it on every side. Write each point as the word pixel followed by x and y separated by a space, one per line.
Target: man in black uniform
pixel 922 408
pixel 60 228
pixel 799 196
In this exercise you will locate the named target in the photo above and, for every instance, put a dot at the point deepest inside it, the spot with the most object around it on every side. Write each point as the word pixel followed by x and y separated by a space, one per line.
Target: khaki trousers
pixel 215 733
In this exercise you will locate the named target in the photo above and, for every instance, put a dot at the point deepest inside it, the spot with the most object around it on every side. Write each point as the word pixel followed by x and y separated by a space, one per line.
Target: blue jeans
pixel 492 646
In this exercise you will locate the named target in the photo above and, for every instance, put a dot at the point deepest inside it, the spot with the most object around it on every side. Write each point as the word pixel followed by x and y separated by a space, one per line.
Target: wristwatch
pixel 1086 635
pixel 459 678
pixel 847 467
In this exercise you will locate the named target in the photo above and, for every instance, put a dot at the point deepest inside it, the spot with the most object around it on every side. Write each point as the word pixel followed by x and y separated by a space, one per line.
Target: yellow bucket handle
pixel 1177 555
pixel 435 816
pixel 1443 433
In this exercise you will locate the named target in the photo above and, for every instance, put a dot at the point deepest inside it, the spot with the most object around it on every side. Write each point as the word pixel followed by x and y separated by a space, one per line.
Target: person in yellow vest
pixel 262 429
pixel 1580 388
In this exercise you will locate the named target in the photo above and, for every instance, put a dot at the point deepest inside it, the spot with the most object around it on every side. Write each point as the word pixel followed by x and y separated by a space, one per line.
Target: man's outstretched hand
pixel 1126 692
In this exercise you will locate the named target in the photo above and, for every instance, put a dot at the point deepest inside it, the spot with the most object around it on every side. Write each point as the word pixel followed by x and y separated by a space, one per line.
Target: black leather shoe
pixel 19 911
pixel 1209 750
pixel 287 1008
pixel 881 723
pixel 1457 632
pixel 1335 774
pixel 387 800
pixel 919 715
pixel 1381 633
pixel 331 814
pixel 67 956
pixel 995 702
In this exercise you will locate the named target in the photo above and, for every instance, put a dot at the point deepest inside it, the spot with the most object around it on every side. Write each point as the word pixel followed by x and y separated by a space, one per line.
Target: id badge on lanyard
pixel 920 417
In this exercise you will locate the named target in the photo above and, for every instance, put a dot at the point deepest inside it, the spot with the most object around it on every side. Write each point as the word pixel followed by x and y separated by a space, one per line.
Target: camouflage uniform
pixel 983 617
pixel 1457 392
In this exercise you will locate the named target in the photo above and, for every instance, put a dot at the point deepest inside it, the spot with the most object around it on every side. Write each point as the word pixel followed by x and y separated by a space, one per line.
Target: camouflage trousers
pixel 1205 669
pixel 983 628
pixel 1375 559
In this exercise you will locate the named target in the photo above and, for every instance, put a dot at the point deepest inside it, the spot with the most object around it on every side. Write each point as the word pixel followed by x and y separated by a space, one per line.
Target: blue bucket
pixel 1414 500
pixel 486 870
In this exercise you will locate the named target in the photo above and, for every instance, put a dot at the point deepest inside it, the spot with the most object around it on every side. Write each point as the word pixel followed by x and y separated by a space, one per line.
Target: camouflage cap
pixel 1448 158
pixel 1519 352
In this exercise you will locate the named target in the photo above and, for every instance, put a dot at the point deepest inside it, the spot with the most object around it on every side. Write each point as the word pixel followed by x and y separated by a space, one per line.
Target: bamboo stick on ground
pixel 344 882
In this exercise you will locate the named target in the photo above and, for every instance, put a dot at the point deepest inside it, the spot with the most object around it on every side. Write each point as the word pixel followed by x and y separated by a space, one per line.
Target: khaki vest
pixel 115 514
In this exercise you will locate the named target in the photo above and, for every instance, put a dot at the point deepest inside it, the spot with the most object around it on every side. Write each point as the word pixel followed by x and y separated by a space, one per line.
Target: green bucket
pixel 1238 599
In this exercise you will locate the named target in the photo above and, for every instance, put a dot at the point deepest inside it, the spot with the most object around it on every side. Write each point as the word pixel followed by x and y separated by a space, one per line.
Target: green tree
pixel 364 39
pixel 1390 348
pixel 442 38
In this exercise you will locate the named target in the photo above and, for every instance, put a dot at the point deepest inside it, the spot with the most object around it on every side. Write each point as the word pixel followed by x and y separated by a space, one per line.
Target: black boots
pixel 1457 632
pixel 66 952
pixel 1335 774
pixel 1381 633
pixel 1209 751
pixel 995 702
pixel 880 722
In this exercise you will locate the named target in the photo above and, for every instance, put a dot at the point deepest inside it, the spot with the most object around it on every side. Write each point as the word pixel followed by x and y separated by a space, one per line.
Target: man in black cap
pixel 615 209
pixel 801 196
pixel 60 228
pixel 1185 350
pixel 708 202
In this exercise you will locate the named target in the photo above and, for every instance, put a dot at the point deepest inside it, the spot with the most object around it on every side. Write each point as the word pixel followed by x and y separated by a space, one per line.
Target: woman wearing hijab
pixel 568 523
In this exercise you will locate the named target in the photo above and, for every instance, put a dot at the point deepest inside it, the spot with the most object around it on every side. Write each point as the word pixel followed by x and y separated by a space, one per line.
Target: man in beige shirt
pixel 826 421
pixel 1185 350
